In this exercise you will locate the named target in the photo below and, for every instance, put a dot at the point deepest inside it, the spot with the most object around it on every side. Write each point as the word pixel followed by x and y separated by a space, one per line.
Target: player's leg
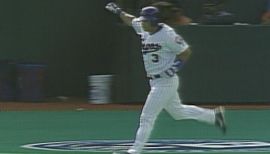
pixel 155 102
pixel 180 111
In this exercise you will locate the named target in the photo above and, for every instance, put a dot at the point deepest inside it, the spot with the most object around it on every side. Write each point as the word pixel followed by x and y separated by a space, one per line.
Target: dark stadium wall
pixel 78 38
pixel 229 64
pixel 74 39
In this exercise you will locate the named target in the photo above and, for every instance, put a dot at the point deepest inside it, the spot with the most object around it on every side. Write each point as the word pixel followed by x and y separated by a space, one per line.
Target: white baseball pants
pixel 164 95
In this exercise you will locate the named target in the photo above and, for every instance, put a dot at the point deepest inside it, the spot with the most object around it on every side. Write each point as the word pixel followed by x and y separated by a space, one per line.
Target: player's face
pixel 146 25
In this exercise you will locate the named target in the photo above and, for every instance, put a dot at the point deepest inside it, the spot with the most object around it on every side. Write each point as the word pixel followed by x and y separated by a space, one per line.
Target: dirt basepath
pixel 55 106
pixel 26 106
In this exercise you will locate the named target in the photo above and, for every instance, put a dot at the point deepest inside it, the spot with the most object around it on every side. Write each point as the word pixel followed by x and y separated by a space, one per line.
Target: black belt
pixel 152 77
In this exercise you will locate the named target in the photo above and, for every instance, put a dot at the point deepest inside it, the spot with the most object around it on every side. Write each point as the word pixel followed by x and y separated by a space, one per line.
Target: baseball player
pixel 164 53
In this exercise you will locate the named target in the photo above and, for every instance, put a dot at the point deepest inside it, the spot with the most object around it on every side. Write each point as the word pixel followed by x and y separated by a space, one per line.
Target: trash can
pixel 30 82
pixel 100 89
pixel 7 81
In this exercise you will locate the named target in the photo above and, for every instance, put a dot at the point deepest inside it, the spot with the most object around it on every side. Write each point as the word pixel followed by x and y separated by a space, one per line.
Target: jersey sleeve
pixel 137 25
pixel 176 43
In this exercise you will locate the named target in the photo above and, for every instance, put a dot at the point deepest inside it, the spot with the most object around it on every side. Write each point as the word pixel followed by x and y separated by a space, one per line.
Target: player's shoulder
pixel 166 27
pixel 136 22
pixel 137 25
pixel 167 30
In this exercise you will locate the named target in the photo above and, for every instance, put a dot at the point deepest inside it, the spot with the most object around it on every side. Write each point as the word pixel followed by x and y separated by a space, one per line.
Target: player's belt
pixel 152 77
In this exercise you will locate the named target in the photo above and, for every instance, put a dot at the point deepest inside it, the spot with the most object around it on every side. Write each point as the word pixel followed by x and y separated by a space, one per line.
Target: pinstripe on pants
pixel 164 95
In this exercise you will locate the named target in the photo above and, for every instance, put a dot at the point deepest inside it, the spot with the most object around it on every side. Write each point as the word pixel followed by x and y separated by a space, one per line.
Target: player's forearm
pixel 184 56
pixel 178 63
pixel 126 18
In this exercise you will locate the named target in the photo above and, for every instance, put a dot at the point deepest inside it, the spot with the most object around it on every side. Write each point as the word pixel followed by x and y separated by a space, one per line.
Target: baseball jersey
pixel 159 49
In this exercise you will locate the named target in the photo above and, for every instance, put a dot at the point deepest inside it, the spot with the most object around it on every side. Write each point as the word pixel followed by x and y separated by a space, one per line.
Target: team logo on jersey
pixel 179 40
pixel 157 146
pixel 150 47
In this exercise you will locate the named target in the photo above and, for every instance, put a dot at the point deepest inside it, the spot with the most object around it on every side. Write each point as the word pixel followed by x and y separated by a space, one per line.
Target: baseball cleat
pixel 220 119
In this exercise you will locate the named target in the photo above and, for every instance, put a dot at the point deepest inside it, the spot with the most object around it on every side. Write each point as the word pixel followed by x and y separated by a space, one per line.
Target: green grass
pixel 20 128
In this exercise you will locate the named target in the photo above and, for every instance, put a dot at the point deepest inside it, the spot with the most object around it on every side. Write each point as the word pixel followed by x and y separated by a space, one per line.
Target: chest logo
pixel 150 47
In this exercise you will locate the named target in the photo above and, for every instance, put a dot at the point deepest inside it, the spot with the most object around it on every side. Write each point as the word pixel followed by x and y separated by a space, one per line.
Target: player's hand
pixel 177 65
pixel 114 8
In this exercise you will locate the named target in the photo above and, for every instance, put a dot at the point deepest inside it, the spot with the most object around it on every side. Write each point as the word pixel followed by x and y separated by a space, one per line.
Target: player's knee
pixel 177 116
pixel 147 120
pixel 177 113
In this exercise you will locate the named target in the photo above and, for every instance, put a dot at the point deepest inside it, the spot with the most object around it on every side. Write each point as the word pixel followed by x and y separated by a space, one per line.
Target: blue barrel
pixel 30 82
pixel 7 81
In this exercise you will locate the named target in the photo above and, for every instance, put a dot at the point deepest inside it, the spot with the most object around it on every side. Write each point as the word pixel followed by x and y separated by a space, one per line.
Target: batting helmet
pixel 150 13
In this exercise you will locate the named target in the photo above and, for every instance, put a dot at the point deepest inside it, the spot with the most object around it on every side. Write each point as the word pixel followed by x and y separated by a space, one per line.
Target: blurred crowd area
pixel 208 12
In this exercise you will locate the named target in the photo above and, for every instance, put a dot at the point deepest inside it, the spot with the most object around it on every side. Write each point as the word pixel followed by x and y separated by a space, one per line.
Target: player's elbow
pixel 189 51
pixel 127 18
pixel 184 56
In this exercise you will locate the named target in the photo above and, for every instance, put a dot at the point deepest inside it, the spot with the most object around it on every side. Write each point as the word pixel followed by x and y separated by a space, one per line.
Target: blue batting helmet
pixel 150 13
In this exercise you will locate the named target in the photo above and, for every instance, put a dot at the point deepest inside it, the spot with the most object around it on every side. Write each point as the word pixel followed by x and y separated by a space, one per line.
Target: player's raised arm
pixel 114 8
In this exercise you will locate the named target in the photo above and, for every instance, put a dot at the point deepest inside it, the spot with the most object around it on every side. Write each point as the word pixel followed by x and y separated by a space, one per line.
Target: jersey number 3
pixel 155 58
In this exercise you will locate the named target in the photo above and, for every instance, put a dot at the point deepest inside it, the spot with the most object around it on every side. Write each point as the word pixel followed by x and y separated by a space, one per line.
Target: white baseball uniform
pixel 159 52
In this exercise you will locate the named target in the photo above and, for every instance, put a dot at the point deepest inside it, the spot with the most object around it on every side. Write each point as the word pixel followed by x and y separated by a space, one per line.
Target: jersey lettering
pixel 159 49
pixel 150 47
